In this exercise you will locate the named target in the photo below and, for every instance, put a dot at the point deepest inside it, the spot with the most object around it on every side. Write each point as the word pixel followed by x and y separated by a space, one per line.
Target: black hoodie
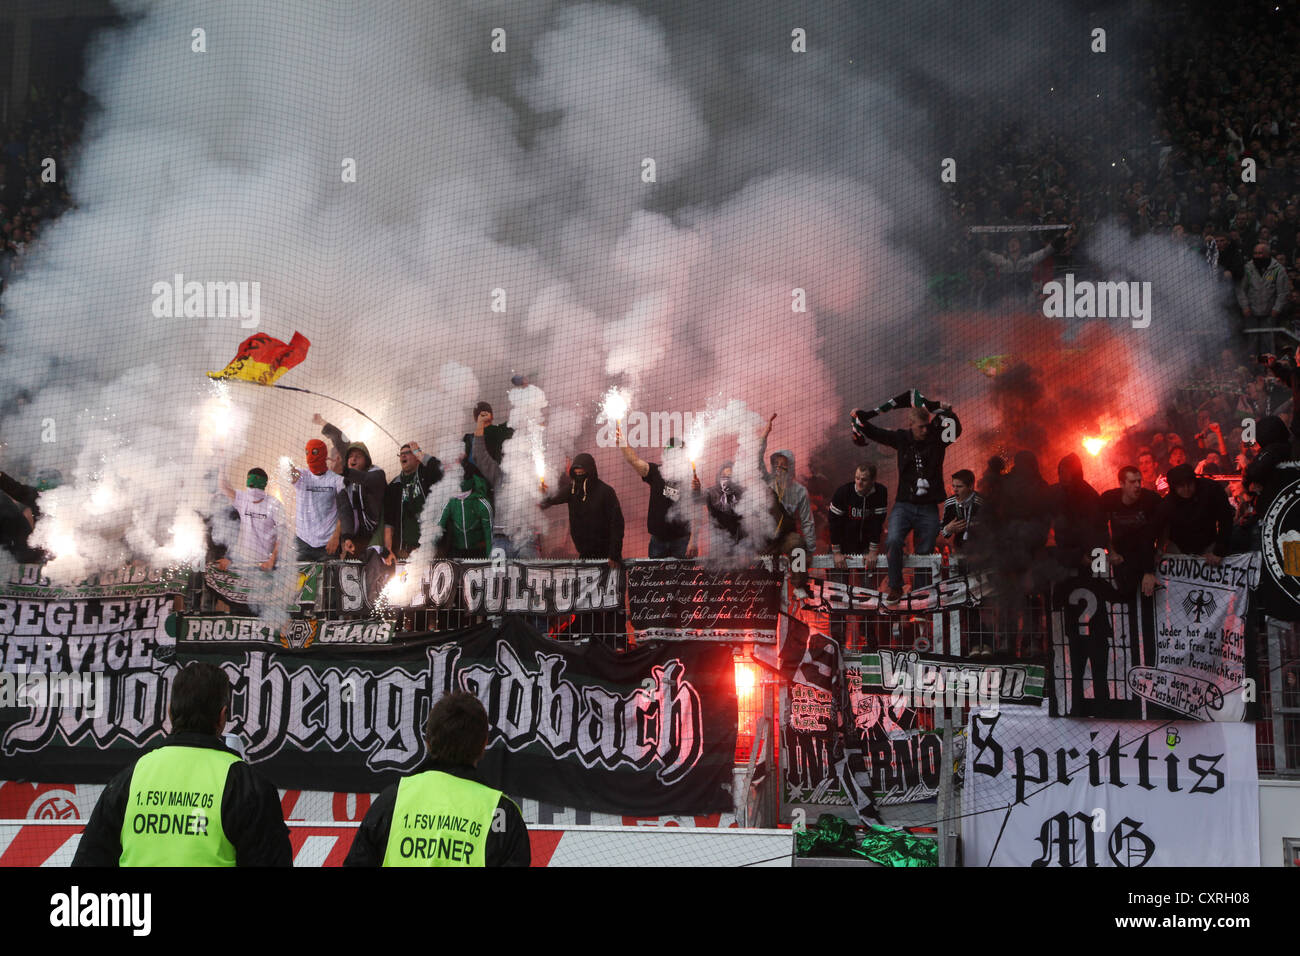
pixel 1199 523
pixel 721 503
pixel 1275 447
pixel 1024 506
pixel 362 503
pixel 1076 514
pixel 595 518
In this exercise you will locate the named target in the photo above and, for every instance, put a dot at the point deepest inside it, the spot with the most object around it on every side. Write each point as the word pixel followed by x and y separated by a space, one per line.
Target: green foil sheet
pixel 833 836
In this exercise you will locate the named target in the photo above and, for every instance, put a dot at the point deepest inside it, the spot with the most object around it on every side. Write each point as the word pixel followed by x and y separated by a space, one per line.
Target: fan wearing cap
pixel 1197 517
pixel 317 521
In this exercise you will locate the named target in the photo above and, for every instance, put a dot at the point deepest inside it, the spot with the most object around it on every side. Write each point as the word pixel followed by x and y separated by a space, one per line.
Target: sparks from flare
pixel 614 406
pixel 397 592
pixel 539 456
pixel 217 417
pixel 1094 446
pixel 187 544
pixel 696 440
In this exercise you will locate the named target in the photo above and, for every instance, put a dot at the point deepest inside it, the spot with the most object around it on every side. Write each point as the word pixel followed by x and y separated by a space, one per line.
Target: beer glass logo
pixel 1289 542
pixel 1172 739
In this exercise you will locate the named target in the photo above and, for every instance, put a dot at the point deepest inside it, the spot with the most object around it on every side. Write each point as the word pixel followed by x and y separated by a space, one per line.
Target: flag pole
pixel 307 391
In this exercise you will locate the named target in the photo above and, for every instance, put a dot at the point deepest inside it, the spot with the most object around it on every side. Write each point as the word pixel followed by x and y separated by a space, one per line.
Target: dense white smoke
pixel 503 218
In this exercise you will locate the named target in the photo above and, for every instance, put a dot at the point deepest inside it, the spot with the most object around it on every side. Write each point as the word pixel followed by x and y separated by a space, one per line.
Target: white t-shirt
pixel 318 507
pixel 260 519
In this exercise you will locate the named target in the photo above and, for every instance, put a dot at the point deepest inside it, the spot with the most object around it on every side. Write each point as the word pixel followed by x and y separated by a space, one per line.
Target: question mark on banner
pixel 798 820
pixel 498 560
pixel 1099 820
pixel 1088 600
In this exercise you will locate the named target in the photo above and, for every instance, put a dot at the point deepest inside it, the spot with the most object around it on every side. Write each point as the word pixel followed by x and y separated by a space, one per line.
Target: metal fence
pixel 1020 629
pixel 1013 628
pixel 1008 630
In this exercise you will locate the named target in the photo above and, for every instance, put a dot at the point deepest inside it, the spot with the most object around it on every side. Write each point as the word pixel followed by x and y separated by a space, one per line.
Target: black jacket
pixel 251 816
pixel 1077 522
pixel 1134 529
pixel 857 520
pixel 721 505
pixel 507 846
pixel 918 460
pixel 1201 522
pixel 428 473
pixel 968 511
pixel 1275 448
pixel 361 507
pixel 485 452
pixel 595 518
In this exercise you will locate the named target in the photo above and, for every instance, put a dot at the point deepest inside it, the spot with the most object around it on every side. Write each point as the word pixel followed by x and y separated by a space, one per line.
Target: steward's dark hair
pixel 457 730
pixel 198 694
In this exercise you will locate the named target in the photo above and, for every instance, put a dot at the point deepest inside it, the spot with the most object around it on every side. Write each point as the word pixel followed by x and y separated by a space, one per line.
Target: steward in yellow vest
pixel 189 801
pixel 441 815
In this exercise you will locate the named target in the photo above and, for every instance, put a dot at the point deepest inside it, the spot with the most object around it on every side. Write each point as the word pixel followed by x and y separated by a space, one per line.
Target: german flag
pixel 263 360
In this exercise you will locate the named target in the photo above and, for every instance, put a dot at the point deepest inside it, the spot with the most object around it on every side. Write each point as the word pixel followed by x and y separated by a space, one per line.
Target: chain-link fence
pixel 892 761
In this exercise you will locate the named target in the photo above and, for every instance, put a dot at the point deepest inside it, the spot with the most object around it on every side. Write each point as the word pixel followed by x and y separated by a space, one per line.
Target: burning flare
pixel 614 406
pixel 1094 446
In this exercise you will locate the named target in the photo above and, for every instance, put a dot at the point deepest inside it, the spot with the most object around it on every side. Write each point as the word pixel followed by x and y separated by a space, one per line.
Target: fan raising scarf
pixel 909 399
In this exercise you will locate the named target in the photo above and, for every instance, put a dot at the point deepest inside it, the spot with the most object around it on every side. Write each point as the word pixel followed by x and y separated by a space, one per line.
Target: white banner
pixel 1199 670
pixel 1043 791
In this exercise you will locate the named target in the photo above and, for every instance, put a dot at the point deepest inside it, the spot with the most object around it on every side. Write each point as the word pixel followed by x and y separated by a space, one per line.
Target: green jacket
pixel 467 520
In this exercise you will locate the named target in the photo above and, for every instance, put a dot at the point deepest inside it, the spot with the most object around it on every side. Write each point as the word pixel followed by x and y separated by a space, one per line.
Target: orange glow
pixel 1094 445
pixel 745 679
pixel 749 706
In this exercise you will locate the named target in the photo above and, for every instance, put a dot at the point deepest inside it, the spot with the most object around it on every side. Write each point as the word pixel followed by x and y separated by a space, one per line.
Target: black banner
pixel 648 732
pixel 299 633
pixel 961 590
pixel 503 587
pixel 1095 645
pixel 890 749
pixel 696 600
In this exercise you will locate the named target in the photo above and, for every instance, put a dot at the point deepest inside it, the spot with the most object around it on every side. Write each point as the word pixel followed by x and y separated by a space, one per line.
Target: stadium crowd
pixel 1216 94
